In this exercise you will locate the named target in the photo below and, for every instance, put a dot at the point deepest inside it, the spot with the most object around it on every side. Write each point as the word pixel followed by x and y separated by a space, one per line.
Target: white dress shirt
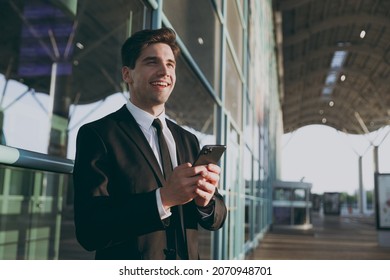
pixel 145 120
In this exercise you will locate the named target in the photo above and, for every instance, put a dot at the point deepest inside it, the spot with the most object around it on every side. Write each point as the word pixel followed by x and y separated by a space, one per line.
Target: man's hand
pixel 187 183
pixel 181 187
pixel 206 187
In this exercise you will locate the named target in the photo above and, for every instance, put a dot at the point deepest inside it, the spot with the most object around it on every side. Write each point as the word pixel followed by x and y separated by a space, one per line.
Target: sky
pixel 329 159
pixel 316 154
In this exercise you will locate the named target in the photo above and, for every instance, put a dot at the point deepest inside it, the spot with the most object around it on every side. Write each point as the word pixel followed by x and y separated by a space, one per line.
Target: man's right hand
pixel 181 186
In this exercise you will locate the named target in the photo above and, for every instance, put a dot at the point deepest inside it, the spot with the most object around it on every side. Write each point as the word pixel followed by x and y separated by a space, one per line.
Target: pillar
pixel 361 195
pixel 60 101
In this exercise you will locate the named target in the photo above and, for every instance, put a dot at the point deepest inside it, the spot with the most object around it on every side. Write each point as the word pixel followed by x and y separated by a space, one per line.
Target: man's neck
pixel 153 110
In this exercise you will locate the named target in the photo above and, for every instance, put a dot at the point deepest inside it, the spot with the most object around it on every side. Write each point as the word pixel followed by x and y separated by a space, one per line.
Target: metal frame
pixel 33 160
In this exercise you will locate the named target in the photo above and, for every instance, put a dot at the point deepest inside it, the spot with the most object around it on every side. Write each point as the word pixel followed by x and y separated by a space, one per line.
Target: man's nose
pixel 163 70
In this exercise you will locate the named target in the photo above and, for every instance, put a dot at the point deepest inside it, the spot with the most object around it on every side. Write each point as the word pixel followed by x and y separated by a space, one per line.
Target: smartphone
pixel 209 154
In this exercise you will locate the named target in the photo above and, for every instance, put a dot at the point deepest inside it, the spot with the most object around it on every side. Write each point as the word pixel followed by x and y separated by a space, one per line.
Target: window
pixel 198 26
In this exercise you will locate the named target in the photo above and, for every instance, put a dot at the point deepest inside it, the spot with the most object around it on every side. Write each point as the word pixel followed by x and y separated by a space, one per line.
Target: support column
pixel 361 196
pixel 376 159
pixel 376 170
pixel 2 136
pixel 60 101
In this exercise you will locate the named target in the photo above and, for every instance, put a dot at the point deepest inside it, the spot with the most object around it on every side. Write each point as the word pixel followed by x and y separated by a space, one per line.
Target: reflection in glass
pixel 233 90
pixel 235 28
pixel 233 190
pixel 299 195
pixel 282 194
pixel 30 217
pixel 199 28
pixel 191 105
pixel 247 169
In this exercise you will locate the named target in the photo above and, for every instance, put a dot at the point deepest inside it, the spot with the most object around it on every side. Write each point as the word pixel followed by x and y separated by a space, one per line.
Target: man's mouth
pixel 160 83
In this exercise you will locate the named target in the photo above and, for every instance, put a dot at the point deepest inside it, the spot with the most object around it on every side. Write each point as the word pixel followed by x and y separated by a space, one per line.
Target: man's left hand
pixel 206 188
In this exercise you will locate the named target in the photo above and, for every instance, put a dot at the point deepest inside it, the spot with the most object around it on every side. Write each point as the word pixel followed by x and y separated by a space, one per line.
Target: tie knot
pixel 157 124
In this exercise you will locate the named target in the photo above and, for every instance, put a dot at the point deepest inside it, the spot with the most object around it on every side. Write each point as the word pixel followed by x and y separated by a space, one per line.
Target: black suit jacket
pixel 115 177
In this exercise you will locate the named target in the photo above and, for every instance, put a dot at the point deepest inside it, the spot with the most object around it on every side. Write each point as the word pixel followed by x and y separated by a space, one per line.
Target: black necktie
pixel 164 152
pixel 176 225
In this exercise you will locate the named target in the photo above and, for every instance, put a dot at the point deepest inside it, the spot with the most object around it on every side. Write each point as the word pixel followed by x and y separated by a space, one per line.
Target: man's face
pixel 152 79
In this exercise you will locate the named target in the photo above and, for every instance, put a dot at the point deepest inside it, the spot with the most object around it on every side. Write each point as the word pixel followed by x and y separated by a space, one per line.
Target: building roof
pixel 336 63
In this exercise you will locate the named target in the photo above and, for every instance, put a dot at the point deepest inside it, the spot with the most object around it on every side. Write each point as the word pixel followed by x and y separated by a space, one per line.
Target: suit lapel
pixel 127 122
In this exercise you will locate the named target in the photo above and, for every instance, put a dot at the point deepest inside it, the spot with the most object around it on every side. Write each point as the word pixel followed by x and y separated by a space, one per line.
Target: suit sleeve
pixel 102 221
pixel 217 219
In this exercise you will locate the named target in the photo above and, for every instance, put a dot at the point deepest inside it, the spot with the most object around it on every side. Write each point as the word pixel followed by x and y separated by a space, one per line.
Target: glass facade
pixel 30 210
pixel 64 61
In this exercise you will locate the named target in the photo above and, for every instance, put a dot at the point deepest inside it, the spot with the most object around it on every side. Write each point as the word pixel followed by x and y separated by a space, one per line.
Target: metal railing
pixel 34 160
pixel 36 218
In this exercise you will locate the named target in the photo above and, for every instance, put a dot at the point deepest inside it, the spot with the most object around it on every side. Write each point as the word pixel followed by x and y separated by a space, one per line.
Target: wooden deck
pixel 352 237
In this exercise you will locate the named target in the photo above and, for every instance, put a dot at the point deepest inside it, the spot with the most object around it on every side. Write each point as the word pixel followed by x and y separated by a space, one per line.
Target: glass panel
pixel 191 105
pixel 256 142
pixel 233 188
pixel 249 128
pixel 248 218
pixel 72 52
pixel 30 219
pixel 282 194
pixel 256 193
pixel 299 216
pixel 21 183
pixel 248 171
pixel 233 90
pixel 235 28
pixel 299 195
pixel 199 28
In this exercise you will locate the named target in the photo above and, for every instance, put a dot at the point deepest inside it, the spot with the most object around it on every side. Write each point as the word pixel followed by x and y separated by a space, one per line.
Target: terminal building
pixel 249 71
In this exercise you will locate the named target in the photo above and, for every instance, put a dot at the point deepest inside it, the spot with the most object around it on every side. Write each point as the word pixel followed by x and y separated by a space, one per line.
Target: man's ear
pixel 126 75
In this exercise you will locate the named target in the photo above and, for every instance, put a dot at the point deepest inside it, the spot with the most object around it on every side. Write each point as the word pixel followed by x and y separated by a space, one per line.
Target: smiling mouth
pixel 160 84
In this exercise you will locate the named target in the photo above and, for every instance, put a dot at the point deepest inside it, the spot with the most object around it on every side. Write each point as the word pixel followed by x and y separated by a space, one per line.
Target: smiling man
pixel 137 195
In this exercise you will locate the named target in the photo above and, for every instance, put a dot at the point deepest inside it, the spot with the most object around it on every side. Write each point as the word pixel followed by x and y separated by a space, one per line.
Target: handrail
pixel 34 160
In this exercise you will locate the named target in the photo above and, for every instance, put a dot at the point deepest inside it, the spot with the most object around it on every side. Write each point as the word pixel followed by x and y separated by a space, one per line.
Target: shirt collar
pixel 143 118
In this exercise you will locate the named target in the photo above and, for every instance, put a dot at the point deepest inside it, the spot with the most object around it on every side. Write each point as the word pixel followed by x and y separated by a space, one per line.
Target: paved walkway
pixel 331 238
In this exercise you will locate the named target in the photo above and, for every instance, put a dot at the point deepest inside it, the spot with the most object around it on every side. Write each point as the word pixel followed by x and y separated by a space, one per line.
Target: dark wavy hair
pixel 133 46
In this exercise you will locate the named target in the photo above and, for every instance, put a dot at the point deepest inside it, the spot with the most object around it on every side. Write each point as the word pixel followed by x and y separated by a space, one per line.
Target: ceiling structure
pixel 335 57
pixel 336 63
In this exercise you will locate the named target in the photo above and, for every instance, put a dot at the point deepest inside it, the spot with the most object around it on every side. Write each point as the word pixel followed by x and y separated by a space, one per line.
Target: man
pixel 129 203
